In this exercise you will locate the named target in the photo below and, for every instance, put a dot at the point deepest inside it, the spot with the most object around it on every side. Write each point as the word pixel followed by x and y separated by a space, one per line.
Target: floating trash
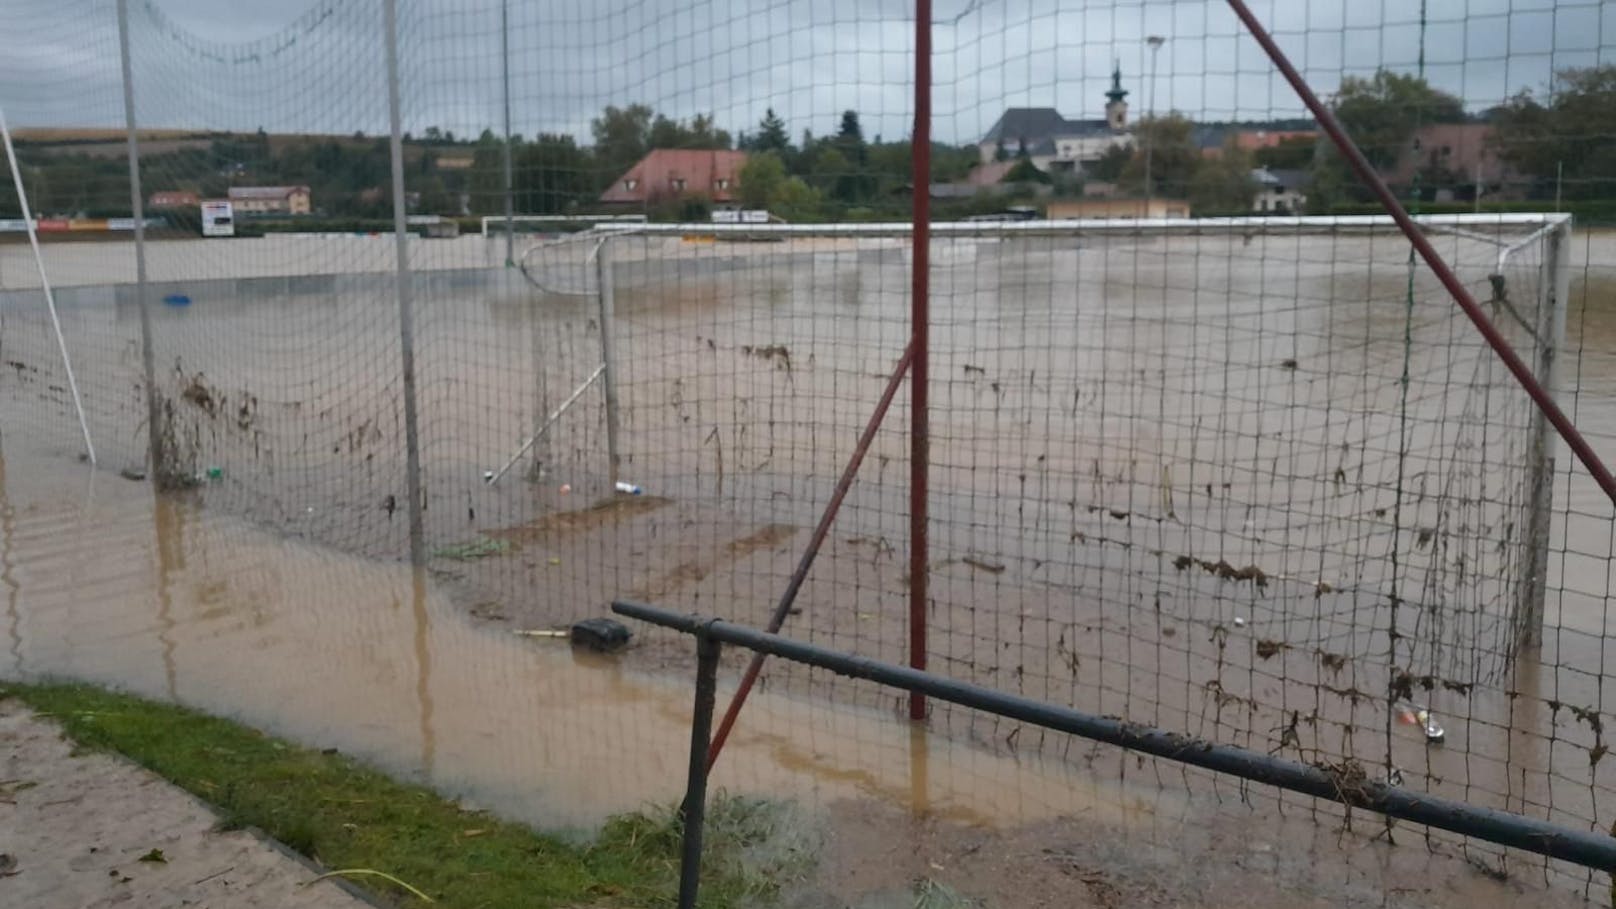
pixel 177 300
pixel 1410 715
pixel 628 489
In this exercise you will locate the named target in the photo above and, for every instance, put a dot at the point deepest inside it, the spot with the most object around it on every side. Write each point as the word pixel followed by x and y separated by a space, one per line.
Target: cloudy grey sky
pixel 318 65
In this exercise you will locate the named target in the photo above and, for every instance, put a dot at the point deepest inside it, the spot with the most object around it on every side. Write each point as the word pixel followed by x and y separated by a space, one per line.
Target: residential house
pixel 1460 153
pixel 269 200
pixel 1213 138
pixel 1254 139
pixel 1055 143
pixel 668 173
pixel 173 199
pixel 1279 192
pixel 1114 209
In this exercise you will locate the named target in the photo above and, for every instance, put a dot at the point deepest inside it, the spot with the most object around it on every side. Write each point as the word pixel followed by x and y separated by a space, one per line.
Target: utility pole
pixel 1155 42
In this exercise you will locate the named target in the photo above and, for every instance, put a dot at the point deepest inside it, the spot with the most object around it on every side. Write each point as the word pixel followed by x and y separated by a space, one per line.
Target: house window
pixel 678 183
pixel 722 183
pixel 630 183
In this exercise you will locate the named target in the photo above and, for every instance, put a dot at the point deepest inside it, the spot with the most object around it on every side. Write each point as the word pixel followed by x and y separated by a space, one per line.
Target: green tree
pixel 1174 157
pixel 1294 153
pixel 1223 185
pixel 764 184
pixel 1568 139
pixel 1110 165
pixel 550 176
pixel 1024 171
pixel 699 133
pixel 1382 112
pixel 760 179
pixel 622 137
pixel 850 139
pixel 666 133
pixel 771 135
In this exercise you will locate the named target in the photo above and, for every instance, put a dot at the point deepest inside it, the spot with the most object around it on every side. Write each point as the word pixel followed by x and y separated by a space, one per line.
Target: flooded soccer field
pixel 1175 479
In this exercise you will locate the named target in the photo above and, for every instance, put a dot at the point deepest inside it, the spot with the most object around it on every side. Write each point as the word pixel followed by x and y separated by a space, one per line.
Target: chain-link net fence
pixel 1209 449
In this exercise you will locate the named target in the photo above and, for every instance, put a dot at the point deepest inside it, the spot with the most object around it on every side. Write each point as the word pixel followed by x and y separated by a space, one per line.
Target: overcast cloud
pixel 319 65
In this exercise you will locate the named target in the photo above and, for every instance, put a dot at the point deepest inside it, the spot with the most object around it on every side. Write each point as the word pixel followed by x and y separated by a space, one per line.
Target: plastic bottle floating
pixel 1410 715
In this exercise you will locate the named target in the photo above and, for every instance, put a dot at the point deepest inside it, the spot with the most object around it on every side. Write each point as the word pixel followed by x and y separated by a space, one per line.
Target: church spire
pixel 1117 92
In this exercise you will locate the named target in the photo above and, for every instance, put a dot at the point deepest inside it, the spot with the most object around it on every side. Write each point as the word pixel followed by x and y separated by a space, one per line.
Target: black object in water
pixel 605 635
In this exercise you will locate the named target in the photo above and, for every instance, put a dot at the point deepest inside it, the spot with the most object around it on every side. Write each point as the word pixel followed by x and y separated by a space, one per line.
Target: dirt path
pixel 74 830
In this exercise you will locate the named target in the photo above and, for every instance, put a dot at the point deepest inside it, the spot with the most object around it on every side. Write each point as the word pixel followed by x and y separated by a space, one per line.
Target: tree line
pixel 1558 145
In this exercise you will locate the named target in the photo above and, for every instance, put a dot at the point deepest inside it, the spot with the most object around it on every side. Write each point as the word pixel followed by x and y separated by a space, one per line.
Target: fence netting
pixel 1210 450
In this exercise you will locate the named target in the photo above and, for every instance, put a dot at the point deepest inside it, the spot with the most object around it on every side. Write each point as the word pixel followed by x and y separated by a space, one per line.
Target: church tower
pixel 1116 102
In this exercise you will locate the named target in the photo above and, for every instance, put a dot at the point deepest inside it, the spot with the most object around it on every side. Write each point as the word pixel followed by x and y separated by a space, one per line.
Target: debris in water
pixel 177 300
pixel 1421 717
pixel 541 632
pixel 198 393
pixel 488 476
pixel 628 489
pixel 777 353
pixel 1287 363
pixel 983 565
pixel 1239 621
pixel 601 634
pixel 565 488
pixel 133 474
pixel 156 855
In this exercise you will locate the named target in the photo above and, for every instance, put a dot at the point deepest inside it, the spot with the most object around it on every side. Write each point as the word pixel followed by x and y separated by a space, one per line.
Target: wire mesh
pixel 1256 480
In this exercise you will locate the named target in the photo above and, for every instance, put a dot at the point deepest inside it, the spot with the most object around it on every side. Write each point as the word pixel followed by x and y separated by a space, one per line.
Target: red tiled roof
pixel 659 175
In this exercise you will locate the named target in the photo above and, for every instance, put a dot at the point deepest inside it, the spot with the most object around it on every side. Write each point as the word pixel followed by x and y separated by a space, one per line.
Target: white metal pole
pixel 1155 42
pixel 406 312
pixel 137 206
pixel 44 282
pixel 505 71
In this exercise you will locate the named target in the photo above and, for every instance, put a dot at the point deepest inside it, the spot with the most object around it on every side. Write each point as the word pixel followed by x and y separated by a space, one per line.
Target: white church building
pixel 1056 144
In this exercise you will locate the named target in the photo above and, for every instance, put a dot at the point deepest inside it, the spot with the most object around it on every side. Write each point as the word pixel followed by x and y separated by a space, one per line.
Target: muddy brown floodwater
pixel 104 582
pixel 1172 481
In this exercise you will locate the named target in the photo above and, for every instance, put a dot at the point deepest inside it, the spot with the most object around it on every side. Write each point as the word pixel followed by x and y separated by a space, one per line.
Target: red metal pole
pixel 1461 295
pixel 789 596
pixel 920 317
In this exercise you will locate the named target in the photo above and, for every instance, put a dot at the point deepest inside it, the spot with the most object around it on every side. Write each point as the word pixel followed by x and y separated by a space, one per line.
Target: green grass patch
pixel 345 815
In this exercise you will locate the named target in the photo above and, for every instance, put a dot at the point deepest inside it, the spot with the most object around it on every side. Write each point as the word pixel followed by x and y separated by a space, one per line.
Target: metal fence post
pixel 406 316
pixel 156 469
pixel 693 812
pixel 505 79
pixel 1554 290
pixel 603 266
pixel 920 318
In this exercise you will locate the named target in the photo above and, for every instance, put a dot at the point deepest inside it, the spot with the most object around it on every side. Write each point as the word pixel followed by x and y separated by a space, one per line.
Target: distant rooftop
pixel 1036 124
